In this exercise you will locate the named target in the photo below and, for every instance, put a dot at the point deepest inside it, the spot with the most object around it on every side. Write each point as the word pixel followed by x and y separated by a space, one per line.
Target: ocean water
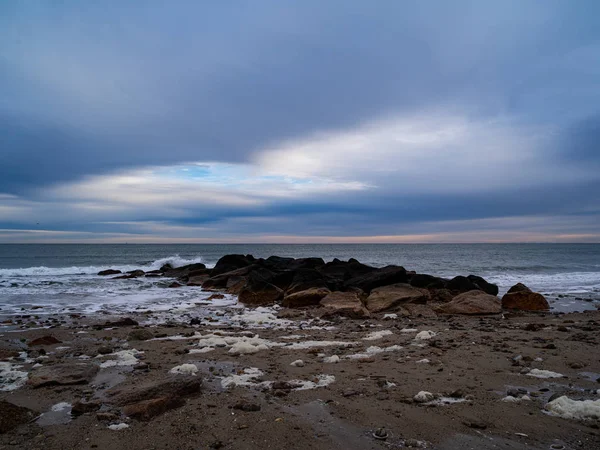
pixel 59 278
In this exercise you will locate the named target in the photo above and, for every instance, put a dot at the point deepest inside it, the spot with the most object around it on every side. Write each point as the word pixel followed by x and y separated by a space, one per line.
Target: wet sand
pixel 469 364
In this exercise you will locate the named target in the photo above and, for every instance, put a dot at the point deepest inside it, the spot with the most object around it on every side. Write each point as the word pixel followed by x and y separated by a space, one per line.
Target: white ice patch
pixel 118 426
pixel 124 358
pixel 184 369
pixel 574 409
pixel 372 351
pixel 10 378
pixel 334 359
pixel 425 335
pixel 537 373
pixel 377 335
pixel 61 406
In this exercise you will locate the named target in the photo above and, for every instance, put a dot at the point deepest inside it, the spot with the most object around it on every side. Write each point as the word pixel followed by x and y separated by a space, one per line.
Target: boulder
pixel 461 284
pixel 109 272
pixel 220 281
pixel 380 277
pixel 141 334
pixel 231 262
pixel 81 407
pixel 482 284
pixel 387 297
pixel 184 271
pixel 258 291
pixel 415 310
pixel 44 340
pixel 471 303
pixel 277 263
pixel 6 353
pixel 62 374
pixel 306 263
pixel 11 416
pixel 345 270
pixel 519 287
pixel 422 280
pixel 197 280
pixel 525 301
pixel 308 297
pixel 304 279
pixel 147 409
pixel 346 304
pixel 235 284
pixel 173 387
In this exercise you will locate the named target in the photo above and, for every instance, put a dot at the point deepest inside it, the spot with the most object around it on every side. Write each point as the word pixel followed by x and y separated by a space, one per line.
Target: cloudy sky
pixel 312 121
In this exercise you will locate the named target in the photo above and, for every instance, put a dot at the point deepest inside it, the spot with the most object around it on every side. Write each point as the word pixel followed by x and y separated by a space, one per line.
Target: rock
pixel 6 353
pixel 304 279
pixel 231 262
pixel 147 409
pixel 247 407
pixel 387 297
pixel 126 322
pixel 305 263
pixel 107 416
pixel 195 321
pixel 427 281
pixel 216 297
pixel 486 287
pixel 519 287
pixel 44 340
pixel 525 301
pixel 109 272
pixel 81 407
pixel 440 295
pixel 277 263
pixel 308 297
pixel 380 277
pixel 11 416
pixel 346 304
pixel 174 284
pixel 220 281
pixel 62 374
pixel 471 302
pixel 197 280
pixel 259 291
pixel 173 386
pixel 140 335
pixel 424 397
pixel 461 284
pixel 297 363
pixel 136 273
pixel 105 350
pixel 342 270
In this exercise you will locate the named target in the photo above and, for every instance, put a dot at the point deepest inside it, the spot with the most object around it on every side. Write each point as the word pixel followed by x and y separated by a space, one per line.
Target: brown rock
pixel 470 303
pixel 216 297
pixel 11 416
pixel 197 280
pixel 308 297
pixel 519 287
pixel 258 291
pixel 387 297
pixel 44 340
pixel 345 304
pixel 171 387
pixel 147 409
pixel 62 374
pixel 6 353
pixel 526 301
pixel 140 335
pixel 81 407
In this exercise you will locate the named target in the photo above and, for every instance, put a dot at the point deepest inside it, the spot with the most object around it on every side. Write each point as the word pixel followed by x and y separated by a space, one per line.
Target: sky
pixel 300 122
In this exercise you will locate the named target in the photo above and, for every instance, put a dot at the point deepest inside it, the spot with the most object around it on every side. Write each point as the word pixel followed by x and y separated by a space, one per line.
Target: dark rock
pixel 197 280
pixel 147 409
pixel 11 416
pixel 6 353
pixel 231 262
pixel 471 303
pixel 259 291
pixel 44 340
pixel 178 386
pixel 62 374
pixel 125 322
pixel 247 407
pixel 345 304
pixel 462 284
pixel 427 281
pixel 105 350
pixel 380 277
pixel 387 297
pixel 306 263
pixel 309 297
pixel 525 301
pixel 486 287
pixel 81 407
pixel 140 335
pixel 519 287
pixel 195 321
pixel 220 281
pixel 277 263
pixel 343 271
pixel 109 272
pixel 304 279
pixel 174 284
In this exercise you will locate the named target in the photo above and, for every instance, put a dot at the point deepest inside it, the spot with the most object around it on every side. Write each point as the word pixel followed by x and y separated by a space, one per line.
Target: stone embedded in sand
pixel 11 416
pixel 174 386
pixel 472 303
pixel 147 409
pixel 62 374
pixel 574 409
pixel 346 304
pixel 388 297
pixel 81 407
pixel 140 335
pixel 526 301
pixel 308 297
pixel 44 340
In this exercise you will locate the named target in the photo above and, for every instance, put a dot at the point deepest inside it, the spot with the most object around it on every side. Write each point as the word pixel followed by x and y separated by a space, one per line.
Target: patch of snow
pixel 184 369
pixel 118 426
pixel 425 335
pixel 574 409
pixel 377 335
pixel 124 358
pixel 334 359
pixel 11 378
pixel 297 363
pixel 537 373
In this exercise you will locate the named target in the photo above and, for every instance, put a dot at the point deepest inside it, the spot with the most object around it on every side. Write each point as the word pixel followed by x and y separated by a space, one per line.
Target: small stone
pixel 380 434
pixel 247 407
pixel 297 363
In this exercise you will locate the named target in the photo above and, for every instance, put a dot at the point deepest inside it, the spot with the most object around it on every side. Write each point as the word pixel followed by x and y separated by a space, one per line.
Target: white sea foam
pixel 537 373
pixel 184 369
pixel 10 377
pixel 574 409
pixel 123 358
pixel 377 335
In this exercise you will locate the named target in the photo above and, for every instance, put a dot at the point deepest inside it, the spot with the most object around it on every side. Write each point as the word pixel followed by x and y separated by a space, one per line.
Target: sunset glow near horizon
pixel 311 122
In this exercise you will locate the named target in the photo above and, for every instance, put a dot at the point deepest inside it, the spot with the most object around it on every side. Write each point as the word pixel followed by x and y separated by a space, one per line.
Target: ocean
pixel 45 279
